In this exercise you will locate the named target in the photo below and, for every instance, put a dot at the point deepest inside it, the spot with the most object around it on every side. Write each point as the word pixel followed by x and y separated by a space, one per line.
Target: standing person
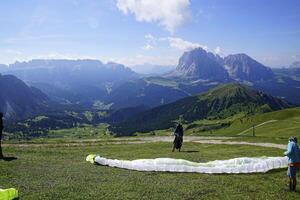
pixel 1 129
pixel 178 140
pixel 293 154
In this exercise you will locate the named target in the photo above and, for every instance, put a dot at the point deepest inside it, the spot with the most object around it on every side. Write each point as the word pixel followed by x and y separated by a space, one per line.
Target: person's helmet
pixel 294 139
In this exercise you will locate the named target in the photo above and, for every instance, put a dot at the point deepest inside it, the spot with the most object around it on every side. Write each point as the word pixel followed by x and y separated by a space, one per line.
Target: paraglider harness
pixel 178 133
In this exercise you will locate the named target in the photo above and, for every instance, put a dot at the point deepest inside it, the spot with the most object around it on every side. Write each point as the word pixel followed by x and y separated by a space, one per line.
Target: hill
pixel 277 124
pixel 17 100
pixel 148 92
pixel 220 102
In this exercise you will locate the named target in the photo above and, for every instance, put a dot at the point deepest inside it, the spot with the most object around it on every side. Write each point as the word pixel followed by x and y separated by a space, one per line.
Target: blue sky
pixel 149 31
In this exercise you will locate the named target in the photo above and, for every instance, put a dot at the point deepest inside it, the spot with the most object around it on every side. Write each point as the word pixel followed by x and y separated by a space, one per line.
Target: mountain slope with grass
pixel 220 102
pixel 148 92
pixel 278 124
pixel 17 100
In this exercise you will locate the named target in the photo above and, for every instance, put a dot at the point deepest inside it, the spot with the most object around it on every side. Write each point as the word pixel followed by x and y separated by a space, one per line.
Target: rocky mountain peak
pixel 198 63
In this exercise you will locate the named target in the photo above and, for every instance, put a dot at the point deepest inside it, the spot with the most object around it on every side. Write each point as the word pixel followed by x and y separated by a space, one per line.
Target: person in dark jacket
pixel 1 129
pixel 178 140
pixel 293 154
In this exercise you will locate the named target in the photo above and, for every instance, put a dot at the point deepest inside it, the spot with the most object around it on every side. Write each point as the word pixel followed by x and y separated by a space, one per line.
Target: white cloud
pixel 57 55
pixel 168 13
pixel 12 57
pixel 30 38
pixel 217 50
pixel 141 59
pixel 150 38
pixel 296 57
pixel 276 59
pixel 183 45
pixel 14 52
pixel 150 42
pixel 148 47
pixel 173 42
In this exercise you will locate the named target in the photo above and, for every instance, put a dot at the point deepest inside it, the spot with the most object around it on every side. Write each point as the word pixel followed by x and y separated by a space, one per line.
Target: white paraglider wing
pixel 235 165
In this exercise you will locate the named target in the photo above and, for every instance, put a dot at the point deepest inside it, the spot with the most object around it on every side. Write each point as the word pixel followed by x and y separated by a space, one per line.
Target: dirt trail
pixel 267 122
pixel 213 140
pixel 132 140
pixel 142 140
pixel 278 146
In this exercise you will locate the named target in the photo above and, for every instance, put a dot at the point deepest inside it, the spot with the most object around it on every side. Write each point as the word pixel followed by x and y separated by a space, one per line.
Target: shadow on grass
pixel 273 171
pixel 8 159
pixel 190 151
pixel 297 192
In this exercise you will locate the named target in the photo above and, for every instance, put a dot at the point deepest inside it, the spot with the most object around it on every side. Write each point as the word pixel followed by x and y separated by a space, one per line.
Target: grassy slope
pixel 86 131
pixel 63 173
pixel 287 124
pixel 162 81
pixel 220 102
pixel 82 131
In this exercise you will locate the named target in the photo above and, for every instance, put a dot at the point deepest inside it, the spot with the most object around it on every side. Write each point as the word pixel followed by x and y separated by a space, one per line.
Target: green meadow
pixel 59 171
pixel 55 167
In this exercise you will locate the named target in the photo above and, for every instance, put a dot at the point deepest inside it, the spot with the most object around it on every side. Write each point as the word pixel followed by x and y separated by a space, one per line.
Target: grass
pixel 281 125
pixel 84 131
pixel 59 171
pixel 162 81
pixel 52 172
pixel 284 124
pixel 39 118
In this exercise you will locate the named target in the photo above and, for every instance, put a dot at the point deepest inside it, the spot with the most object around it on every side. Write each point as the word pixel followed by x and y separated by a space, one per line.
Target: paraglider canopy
pixel 8 194
pixel 231 166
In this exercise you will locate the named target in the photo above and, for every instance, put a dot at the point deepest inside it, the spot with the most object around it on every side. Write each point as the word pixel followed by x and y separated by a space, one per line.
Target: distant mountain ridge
pixel 295 64
pixel 17 100
pixel 93 84
pixel 74 81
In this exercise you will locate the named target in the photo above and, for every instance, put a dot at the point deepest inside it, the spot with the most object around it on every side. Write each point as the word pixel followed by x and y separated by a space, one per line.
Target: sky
pixel 135 32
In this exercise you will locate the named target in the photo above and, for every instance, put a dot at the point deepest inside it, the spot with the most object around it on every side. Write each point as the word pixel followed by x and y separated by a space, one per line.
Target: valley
pixel 206 92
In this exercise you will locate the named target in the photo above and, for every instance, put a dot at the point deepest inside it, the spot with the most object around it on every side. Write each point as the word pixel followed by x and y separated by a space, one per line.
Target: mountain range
pixel 200 64
pixel 94 85
pixel 71 81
